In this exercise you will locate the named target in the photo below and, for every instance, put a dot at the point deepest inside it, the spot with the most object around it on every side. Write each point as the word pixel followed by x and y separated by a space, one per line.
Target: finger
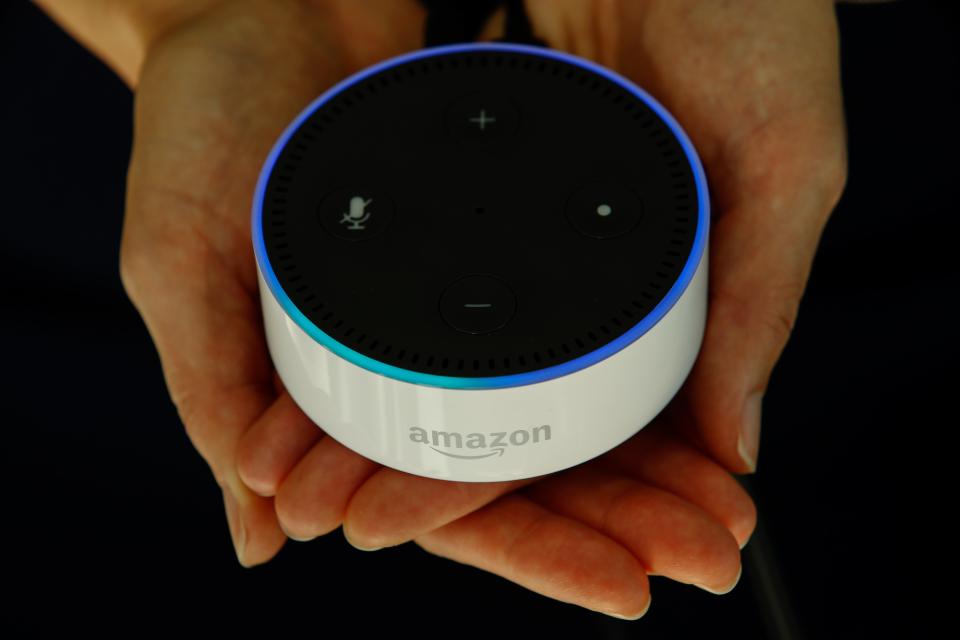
pixel 494 27
pixel 548 553
pixel 214 430
pixel 185 252
pixel 393 507
pixel 253 527
pixel 212 355
pixel 667 534
pixel 312 499
pixel 762 246
pixel 657 457
pixel 586 29
pixel 273 446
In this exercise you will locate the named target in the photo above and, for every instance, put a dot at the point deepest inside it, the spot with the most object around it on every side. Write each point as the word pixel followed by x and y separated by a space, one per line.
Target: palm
pixel 761 102
pixel 758 91
pixel 213 96
pixel 756 86
pixel 583 525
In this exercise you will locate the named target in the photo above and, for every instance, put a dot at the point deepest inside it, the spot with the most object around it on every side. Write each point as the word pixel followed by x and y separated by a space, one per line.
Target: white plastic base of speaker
pixel 485 435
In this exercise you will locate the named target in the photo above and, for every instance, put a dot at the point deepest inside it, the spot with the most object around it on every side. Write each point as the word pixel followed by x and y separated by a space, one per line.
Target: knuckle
pixel 835 179
pixel 774 311
pixel 780 323
pixel 780 315
pixel 829 168
pixel 128 270
pixel 134 263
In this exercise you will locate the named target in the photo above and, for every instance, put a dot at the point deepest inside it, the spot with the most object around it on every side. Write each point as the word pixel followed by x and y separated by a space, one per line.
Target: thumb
pixel 204 324
pixel 762 247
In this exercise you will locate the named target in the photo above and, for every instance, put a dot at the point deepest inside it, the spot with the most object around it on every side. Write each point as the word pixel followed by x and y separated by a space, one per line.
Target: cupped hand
pixel 212 95
pixel 589 535
pixel 756 86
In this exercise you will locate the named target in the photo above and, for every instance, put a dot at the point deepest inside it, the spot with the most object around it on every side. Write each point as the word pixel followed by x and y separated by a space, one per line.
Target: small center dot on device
pixel 604 210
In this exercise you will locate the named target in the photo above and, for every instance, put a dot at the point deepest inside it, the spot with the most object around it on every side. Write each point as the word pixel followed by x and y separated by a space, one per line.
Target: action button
pixel 604 210
pixel 356 213
pixel 477 304
pixel 482 118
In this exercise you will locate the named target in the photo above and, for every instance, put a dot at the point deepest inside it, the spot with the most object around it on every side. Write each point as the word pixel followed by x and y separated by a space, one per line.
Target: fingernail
pixel 237 531
pixel 356 546
pixel 726 590
pixel 293 537
pixel 748 444
pixel 633 617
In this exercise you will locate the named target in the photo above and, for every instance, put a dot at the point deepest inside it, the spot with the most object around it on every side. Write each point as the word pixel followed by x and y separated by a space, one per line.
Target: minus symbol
pixel 485 304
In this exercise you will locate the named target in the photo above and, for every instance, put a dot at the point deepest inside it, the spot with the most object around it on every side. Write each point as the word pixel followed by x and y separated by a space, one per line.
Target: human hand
pixel 322 483
pixel 213 93
pixel 759 93
pixel 756 86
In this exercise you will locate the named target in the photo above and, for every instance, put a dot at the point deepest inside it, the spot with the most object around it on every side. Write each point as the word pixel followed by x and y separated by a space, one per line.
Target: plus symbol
pixel 483 119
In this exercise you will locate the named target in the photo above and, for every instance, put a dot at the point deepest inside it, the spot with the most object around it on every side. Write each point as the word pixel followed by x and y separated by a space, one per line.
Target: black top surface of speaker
pixel 480 213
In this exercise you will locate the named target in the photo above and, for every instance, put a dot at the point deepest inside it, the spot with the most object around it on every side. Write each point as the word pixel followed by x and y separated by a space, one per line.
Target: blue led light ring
pixel 512 380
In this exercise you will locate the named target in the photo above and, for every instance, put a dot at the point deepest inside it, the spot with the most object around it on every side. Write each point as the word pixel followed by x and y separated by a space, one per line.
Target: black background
pixel 113 521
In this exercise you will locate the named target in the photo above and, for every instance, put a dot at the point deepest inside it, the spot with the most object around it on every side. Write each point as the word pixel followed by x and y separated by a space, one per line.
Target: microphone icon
pixel 357 215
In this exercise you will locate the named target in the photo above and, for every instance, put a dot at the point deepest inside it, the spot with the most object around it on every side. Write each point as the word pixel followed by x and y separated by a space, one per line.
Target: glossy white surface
pixel 586 413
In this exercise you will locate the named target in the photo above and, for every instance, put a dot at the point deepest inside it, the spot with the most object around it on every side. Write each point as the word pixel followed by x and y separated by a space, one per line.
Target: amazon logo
pixel 475 446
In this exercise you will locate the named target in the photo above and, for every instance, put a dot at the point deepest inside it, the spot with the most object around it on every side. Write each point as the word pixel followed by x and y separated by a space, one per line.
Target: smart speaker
pixel 482 262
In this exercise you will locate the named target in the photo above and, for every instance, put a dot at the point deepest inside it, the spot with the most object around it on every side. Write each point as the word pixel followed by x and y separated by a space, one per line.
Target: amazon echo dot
pixel 482 262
